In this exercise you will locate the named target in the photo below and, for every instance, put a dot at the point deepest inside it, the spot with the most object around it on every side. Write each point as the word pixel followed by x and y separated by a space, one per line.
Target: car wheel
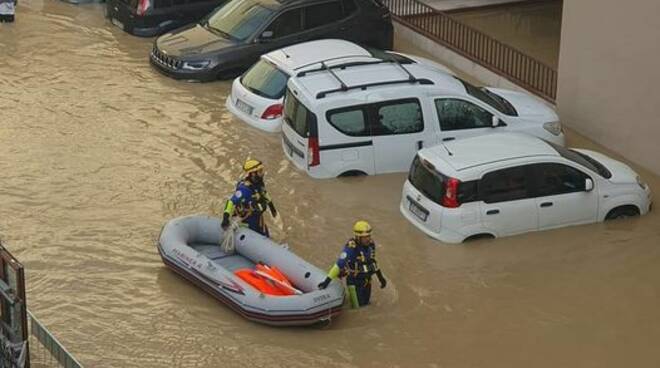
pixel 622 212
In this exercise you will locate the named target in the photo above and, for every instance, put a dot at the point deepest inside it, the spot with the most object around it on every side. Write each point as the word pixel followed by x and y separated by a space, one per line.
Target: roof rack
pixel 344 87
pixel 340 66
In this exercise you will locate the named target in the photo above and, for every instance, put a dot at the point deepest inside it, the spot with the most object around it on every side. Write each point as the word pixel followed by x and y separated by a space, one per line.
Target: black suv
pixel 232 38
pixel 148 18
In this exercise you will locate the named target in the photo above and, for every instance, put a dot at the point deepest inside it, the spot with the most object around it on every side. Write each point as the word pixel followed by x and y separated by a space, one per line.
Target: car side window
pixel 505 185
pixel 456 114
pixel 322 14
pixel 350 121
pixel 349 7
pixel 286 24
pixel 399 117
pixel 553 179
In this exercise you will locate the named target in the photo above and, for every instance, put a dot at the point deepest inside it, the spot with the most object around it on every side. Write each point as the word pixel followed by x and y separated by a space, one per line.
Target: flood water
pixel 533 28
pixel 98 151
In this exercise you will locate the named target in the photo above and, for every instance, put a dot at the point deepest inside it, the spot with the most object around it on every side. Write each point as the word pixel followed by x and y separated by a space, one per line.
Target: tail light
pixel 313 153
pixel 143 6
pixel 273 112
pixel 450 198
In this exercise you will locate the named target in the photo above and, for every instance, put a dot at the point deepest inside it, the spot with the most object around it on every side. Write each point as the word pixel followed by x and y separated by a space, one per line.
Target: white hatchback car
pixel 505 184
pixel 256 96
pixel 372 119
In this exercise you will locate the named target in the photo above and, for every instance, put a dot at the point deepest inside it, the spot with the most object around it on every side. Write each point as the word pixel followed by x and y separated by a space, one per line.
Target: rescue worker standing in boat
pixel 358 263
pixel 250 200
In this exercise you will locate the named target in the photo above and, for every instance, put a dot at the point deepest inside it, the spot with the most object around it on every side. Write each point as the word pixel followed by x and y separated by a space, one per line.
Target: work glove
pixel 273 211
pixel 325 283
pixel 381 279
pixel 225 221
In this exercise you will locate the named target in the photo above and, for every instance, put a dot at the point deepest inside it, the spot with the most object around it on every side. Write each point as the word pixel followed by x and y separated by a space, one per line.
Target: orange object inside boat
pixel 275 283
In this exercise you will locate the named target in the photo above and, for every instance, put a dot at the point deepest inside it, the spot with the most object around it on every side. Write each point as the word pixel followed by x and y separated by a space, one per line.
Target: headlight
pixel 195 65
pixel 553 127
pixel 641 183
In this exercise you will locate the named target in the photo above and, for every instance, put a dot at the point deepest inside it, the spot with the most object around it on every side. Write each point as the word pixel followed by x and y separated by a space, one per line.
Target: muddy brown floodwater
pixel 98 151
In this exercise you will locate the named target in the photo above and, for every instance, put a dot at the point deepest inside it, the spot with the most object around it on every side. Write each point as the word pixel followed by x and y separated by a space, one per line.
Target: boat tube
pixel 190 246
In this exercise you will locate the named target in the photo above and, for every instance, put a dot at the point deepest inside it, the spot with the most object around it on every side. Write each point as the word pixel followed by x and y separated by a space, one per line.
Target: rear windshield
pixel 583 160
pixel 265 80
pixel 428 181
pixel 239 19
pixel 296 114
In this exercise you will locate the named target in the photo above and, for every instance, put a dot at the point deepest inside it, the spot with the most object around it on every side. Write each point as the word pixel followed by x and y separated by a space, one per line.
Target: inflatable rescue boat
pixel 252 274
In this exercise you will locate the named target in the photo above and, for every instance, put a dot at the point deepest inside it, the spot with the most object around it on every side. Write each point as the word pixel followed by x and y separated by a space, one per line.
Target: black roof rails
pixel 364 86
pixel 340 66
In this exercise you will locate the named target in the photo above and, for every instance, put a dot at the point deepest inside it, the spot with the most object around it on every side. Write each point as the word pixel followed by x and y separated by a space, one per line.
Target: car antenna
pixel 284 52
pixel 448 151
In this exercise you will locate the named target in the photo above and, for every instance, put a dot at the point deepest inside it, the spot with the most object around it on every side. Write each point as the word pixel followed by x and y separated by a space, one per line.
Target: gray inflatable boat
pixel 190 246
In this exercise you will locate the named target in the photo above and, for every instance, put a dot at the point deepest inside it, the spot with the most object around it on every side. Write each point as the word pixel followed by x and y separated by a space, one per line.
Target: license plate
pixel 118 23
pixel 244 107
pixel 418 211
pixel 289 149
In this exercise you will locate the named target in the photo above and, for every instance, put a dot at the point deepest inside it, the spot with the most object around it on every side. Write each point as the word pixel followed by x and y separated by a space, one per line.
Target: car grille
pixel 165 60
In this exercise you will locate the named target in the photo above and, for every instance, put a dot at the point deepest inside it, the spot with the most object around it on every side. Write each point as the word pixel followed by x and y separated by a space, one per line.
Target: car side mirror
pixel 266 36
pixel 495 122
pixel 588 185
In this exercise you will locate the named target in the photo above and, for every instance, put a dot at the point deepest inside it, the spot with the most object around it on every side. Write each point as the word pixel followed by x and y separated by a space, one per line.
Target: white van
pixel 505 184
pixel 256 96
pixel 372 119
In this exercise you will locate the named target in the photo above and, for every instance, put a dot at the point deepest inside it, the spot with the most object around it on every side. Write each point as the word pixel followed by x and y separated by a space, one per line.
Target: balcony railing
pixel 492 54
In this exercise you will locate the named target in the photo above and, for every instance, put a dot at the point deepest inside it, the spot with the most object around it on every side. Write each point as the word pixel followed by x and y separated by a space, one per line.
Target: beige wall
pixel 609 75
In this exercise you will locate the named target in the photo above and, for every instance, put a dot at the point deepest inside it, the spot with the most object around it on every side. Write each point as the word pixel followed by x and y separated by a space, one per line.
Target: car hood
pixel 192 40
pixel 621 173
pixel 527 106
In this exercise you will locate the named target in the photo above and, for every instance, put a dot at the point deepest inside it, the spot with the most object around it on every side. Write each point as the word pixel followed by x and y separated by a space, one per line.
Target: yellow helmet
pixel 252 165
pixel 361 228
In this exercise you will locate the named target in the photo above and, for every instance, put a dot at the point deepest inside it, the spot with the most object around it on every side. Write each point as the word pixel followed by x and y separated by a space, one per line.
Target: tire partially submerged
pixel 190 246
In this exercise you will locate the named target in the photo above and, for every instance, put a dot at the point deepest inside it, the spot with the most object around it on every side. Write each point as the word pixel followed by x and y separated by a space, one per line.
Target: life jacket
pixel 261 278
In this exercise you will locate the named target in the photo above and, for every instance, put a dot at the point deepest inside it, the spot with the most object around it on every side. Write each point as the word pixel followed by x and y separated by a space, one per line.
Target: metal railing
pixel 494 55
pixel 47 351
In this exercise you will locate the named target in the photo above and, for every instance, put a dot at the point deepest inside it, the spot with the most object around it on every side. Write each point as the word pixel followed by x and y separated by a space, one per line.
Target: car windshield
pixel 489 98
pixel 239 19
pixel 426 180
pixel 265 80
pixel 583 160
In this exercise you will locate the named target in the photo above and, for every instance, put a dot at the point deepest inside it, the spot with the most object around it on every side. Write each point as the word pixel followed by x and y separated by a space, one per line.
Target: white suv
pixel 505 184
pixel 256 96
pixel 358 119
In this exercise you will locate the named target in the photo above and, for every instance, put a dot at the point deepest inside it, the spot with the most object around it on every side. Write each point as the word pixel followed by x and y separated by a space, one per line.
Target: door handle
pixel 420 145
pixel 448 139
pixel 492 212
pixel 546 204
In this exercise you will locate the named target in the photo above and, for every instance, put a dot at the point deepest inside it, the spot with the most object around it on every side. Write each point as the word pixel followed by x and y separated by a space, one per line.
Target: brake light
pixel 143 6
pixel 313 153
pixel 273 112
pixel 450 198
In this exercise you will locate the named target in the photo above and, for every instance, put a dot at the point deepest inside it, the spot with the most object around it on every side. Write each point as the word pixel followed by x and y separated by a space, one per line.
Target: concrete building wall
pixel 609 75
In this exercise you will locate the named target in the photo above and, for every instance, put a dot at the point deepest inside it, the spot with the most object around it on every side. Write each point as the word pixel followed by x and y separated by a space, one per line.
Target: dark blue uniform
pixel 358 264
pixel 249 203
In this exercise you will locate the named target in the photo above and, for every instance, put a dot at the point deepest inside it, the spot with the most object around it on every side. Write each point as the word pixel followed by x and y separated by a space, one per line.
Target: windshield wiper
pixel 215 30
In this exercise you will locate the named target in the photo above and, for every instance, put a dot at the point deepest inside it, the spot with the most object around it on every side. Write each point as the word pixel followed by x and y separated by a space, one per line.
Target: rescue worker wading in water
pixel 358 263
pixel 250 200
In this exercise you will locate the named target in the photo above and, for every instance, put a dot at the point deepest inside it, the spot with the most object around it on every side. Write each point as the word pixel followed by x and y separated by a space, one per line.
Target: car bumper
pixel 270 126
pixel 445 236
pixel 206 75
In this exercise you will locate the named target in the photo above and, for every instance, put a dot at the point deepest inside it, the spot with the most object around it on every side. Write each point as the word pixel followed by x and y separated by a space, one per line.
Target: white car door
pixel 508 206
pixel 399 131
pixel 562 196
pixel 461 118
